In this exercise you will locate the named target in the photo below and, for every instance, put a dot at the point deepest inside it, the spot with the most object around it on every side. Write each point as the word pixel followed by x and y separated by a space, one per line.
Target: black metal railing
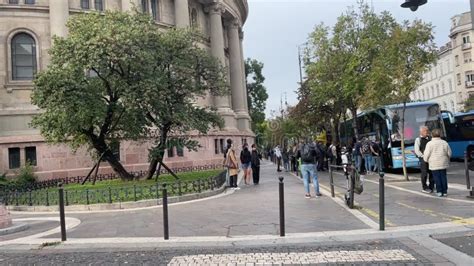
pixel 49 196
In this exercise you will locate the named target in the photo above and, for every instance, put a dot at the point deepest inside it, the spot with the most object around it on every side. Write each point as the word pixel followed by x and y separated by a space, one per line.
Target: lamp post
pixel 414 4
pixel 300 63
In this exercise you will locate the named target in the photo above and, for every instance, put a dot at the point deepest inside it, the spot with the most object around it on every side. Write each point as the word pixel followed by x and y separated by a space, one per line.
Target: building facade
pixel 26 31
pixel 451 80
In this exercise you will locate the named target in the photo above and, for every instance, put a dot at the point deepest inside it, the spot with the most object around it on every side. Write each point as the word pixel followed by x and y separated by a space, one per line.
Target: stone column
pixel 58 16
pixel 217 50
pixel 244 79
pixel 5 219
pixel 236 78
pixel 181 13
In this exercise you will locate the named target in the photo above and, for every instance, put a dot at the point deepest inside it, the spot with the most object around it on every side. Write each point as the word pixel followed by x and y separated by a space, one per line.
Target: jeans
pixel 308 171
pixel 441 181
pixel 376 163
pixel 368 162
pixel 426 175
pixel 286 165
pixel 358 162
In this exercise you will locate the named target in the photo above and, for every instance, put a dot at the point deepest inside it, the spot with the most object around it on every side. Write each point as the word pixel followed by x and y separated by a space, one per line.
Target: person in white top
pixel 278 157
pixel 437 154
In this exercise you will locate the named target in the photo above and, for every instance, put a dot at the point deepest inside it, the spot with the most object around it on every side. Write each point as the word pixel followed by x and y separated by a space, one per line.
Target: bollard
pixel 382 201
pixel 352 187
pixel 331 179
pixel 165 212
pixel 468 179
pixel 282 207
pixel 62 218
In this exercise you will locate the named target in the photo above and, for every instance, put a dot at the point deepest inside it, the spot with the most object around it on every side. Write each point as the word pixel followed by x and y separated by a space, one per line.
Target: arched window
pixel 85 4
pixel 23 57
pixel 437 90
pixel 194 18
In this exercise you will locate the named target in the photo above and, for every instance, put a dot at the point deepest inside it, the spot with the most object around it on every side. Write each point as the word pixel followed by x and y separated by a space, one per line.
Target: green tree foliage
pixel 469 104
pixel 256 92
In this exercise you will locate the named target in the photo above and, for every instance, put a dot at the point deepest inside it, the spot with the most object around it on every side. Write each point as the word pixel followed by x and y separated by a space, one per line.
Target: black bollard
pixel 468 179
pixel 165 213
pixel 282 207
pixel 382 201
pixel 62 218
pixel 352 187
pixel 331 179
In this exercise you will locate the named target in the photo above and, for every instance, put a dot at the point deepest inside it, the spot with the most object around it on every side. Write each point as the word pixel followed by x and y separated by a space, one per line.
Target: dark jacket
pixel 245 156
pixel 255 159
pixel 312 156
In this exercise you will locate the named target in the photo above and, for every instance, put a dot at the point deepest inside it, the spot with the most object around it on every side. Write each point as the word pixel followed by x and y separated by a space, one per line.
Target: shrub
pixel 26 175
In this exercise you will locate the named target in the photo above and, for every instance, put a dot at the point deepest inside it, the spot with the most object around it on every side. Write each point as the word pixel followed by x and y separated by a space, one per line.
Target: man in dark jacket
pixel 256 157
pixel 309 155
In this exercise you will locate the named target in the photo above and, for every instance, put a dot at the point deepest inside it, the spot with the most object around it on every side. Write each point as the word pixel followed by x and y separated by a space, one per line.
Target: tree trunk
pixel 354 123
pixel 100 145
pixel 161 148
pixel 152 168
pixel 404 160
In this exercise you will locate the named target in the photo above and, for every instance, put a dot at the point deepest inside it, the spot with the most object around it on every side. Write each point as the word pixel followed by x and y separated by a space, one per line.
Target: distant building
pixel 451 80
pixel 26 31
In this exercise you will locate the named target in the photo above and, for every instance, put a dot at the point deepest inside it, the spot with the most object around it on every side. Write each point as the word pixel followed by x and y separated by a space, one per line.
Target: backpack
pixel 365 147
pixel 307 153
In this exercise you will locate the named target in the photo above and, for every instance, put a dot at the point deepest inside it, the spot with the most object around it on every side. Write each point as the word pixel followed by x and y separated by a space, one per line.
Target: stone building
pixel 26 30
pixel 451 80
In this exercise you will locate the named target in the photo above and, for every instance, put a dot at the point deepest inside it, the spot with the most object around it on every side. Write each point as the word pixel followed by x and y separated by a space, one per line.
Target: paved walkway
pixel 239 227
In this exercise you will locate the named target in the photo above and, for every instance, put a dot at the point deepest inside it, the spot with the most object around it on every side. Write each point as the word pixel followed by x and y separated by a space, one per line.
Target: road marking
pixel 421 194
pixel 375 215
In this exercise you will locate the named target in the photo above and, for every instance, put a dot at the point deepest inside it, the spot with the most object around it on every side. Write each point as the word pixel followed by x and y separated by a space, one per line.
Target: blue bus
pixel 384 126
pixel 460 133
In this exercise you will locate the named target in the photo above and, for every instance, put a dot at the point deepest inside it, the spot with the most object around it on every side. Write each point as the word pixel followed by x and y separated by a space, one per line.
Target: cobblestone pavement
pixel 383 252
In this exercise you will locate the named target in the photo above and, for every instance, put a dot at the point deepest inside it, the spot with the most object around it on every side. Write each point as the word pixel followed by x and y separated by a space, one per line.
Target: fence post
pixel 62 218
pixel 165 212
pixel 110 195
pixel 331 180
pixel 382 201
pixel 87 196
pixel 47 197
pixel 468 179
pixel 282 206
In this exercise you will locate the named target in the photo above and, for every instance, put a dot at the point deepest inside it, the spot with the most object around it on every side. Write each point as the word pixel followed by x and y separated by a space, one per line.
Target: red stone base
pixel 5 219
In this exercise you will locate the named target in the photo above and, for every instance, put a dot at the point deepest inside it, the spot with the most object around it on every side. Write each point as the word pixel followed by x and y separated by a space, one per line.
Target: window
pixel 453 107
pixel 30 155
pixel 443 91
pixel 155 12
pixel 170 150
pixel 99 5
pixel 180 148
pixel 458 77
pixel 13 1
pixel 23 57
pixel 456 60
pixel 222 145
pixel 437 90
pixel 469 76
pixel 432 92
pixel 85 4
pixel 13 158
pixel 216 146
pixel 466 39
pixel 194 18
pixel 30 2
pixel 115 149
pixel 467 57
pixel 145 6
pixel 450 85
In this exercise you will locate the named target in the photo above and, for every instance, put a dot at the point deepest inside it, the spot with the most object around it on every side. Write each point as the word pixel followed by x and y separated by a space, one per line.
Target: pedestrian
pixel 333 153
pixel 255 162
pixel 309 155
pixel 366 152
pixel 322 154
pixel 227 176
pixel 376 152
pixel 245 159
pixel 286 159
pixel 437 154
pixel 233 166
pixel 420 146
pixel 357 155
pixel 278 155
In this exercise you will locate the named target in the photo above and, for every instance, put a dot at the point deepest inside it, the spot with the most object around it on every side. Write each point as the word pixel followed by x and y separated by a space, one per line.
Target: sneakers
pixel 439 194
pixel 445 194
pixel 318 195
pixel 308 196
pixel 427 191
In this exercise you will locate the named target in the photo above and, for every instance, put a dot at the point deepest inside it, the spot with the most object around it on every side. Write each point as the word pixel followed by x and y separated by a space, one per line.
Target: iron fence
pixel 49 196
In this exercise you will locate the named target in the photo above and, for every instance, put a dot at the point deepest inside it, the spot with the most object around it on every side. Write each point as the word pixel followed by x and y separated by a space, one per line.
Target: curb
pixel 15 228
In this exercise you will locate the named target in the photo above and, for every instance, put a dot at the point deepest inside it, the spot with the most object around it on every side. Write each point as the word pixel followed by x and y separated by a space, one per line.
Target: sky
pixel 275 28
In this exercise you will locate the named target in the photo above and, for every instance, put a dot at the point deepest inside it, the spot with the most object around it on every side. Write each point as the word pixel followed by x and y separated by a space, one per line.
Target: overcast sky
pixel 275 28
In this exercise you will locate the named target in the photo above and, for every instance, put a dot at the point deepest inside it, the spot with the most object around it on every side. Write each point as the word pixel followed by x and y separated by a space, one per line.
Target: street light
pixel 413 4
pixel 299 60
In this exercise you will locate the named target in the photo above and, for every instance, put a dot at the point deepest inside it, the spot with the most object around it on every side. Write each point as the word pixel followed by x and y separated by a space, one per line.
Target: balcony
pixel 469 84
pixel 466 46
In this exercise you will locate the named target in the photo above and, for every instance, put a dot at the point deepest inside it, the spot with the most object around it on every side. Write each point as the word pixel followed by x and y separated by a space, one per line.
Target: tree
pixel 256 91
pixel 85 91
pixel 178 72
pixel 409 53
pixel 469 104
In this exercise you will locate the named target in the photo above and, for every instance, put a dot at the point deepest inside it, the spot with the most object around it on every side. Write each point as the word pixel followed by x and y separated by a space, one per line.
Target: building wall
pixel 40 21
pixel 452 70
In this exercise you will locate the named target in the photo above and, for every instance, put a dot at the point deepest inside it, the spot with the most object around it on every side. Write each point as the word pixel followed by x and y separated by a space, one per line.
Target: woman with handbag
pixel 233 167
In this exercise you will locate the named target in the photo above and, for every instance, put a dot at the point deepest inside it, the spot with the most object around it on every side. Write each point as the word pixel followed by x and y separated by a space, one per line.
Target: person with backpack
pixel 255 162
pixel 366 152
pixel 420 146
pixel 309 155
pixel 376 153
pixel 245 159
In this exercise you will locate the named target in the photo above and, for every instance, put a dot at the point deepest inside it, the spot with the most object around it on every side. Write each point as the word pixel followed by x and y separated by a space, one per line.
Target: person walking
pixel 286 159
pixel 437 153
pixel 420 146
pixel 278 157
pixel 245 160
pixel 357 155
pixel 255 162
pixel 227 176
pixel 233 166
pixel 309 155
pixel 366 152
pixel 333 153
pixel 376 152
